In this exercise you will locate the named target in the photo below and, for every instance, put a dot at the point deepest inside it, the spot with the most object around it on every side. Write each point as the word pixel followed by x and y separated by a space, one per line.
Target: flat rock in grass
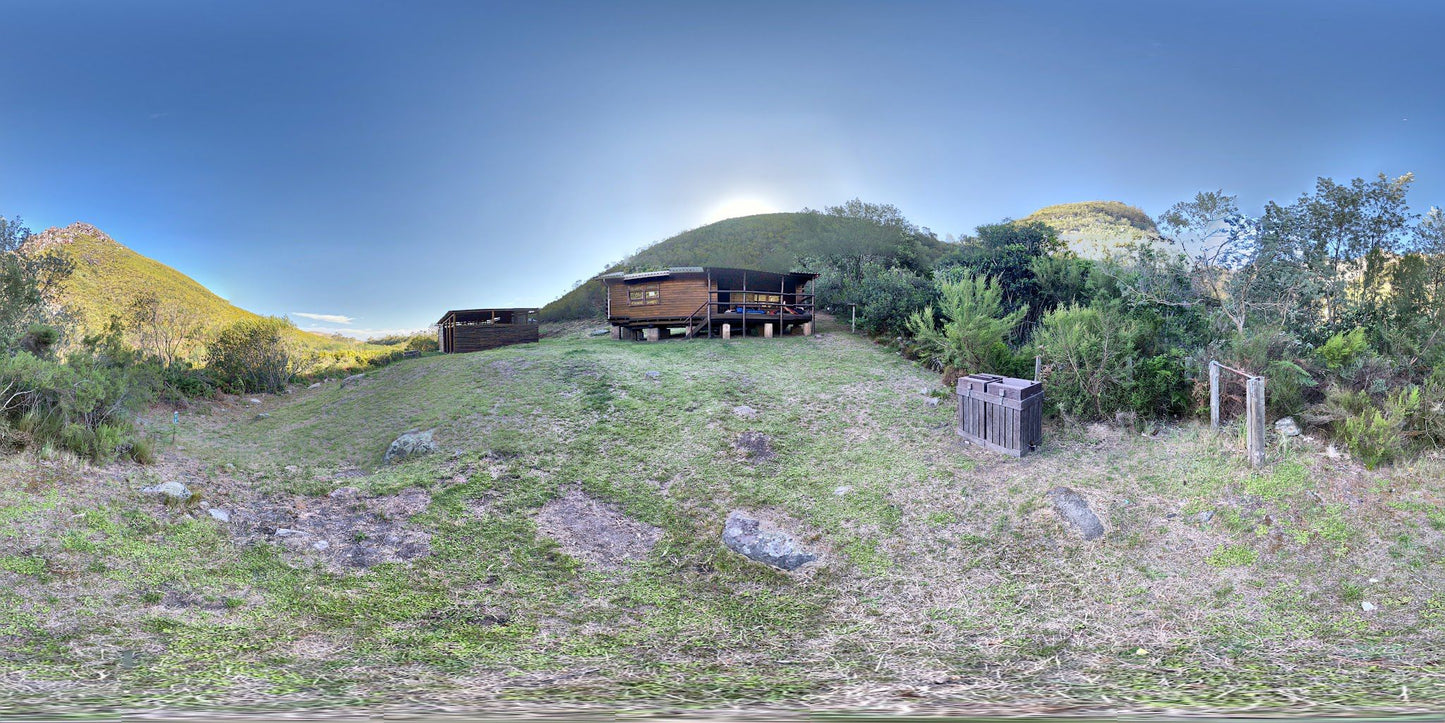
pixel 170 490
pixel 354 378
pixel 598 332
pixel 1075 510
pixel 1287 427
pixel 219 514
pixel 595 532
pixel 745 536
pixel 654 375
pixel 409 445
pixel 745 411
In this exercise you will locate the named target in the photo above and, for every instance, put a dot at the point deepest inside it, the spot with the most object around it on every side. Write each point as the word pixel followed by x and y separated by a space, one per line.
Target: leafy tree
pixel 163 330
pixel 1006 252
pixel 973 325
pixel 26 278
pixel 883 294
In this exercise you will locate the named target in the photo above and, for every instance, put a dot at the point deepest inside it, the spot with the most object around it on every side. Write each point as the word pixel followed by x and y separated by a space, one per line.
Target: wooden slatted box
pixel 1001 413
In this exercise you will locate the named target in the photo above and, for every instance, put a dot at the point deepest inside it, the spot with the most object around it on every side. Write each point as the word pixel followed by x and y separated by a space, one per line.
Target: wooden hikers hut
pixel 691 301
pixel 464 330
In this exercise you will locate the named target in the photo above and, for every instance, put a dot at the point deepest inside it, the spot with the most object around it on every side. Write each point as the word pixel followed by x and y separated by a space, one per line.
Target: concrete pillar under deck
pixel 767 331
pixel 650 334
pixel 807 328
pixel 727 331
pixel 617 332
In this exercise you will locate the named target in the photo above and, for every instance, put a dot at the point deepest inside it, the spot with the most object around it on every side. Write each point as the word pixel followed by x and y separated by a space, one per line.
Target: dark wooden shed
pixel 691 301
pixel 464 330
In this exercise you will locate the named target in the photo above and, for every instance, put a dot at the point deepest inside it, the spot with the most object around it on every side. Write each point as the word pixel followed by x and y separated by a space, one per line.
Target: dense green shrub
pixel 1088 352
pixel 83 404
pixel 1343 349
pixel 973 325
pixel 253 355
pixel 1378 436
pixel 885 296
pixel 1161 387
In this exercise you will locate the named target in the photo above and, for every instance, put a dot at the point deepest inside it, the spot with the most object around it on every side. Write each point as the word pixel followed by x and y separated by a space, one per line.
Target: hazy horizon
pixel 364 167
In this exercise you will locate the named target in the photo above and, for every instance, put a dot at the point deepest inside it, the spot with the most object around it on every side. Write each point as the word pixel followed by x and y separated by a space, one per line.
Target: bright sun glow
pixel 734 207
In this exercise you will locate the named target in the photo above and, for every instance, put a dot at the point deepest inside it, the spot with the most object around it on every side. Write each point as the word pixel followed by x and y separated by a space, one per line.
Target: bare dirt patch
pixel 596 532
pixel 341 531
pixel 754 446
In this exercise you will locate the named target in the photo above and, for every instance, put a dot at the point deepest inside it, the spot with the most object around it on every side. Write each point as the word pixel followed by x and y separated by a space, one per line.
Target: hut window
pixel 644 296
pixel 764 298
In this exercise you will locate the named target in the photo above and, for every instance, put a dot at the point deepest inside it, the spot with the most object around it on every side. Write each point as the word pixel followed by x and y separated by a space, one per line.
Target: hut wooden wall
pixel 476 337
pixel 677 298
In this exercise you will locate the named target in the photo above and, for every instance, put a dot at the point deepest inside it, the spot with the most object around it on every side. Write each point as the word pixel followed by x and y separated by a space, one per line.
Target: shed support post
pixel 1214 395
pixel 727 331
pixel 1254 405
pixel 617 332
pixel 768 330
pixel 807 328
pixel 650 334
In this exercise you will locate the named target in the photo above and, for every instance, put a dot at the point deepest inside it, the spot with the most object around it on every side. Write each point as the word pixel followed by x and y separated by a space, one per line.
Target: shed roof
pixel 479 314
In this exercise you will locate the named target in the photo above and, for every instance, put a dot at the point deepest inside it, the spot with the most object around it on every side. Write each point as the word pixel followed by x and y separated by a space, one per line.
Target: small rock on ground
pixel 1075 510
pixel 352 379
pixel 219 514
pixel 411 444
pixel 171 490
pixel 598 332
pixel 654 375
pixel 745 411
pixel 317 385
pixel 253 401
pixel 745 536
pixel 1287 427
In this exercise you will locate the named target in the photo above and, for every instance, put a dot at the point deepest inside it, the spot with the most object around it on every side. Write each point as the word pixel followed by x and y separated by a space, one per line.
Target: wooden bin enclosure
pixel 1003 414
pixel 464 330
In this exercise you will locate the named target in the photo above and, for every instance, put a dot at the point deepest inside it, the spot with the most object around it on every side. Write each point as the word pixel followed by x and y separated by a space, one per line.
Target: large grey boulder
pixel 411 444
pixel 1075 510
pixel 745 536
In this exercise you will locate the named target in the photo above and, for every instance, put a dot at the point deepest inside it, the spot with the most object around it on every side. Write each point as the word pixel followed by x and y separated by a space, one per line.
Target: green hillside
pixel 1093 227
pixel 108 277
pixel 562 547
pixel 768 242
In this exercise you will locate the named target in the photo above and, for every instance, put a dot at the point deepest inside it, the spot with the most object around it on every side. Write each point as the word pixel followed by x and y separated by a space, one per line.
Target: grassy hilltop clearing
pixel 561 548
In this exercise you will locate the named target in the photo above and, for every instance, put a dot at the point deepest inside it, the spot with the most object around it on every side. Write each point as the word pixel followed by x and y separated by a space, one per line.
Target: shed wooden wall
pixel 678 298
pixel 476 337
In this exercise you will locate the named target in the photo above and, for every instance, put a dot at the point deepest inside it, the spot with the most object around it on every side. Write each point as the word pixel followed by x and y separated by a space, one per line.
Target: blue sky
pixel 386 161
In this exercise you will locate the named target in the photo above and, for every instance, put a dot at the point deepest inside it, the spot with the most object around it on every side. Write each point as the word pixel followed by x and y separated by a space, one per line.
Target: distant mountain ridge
pixel 1093 228
pixel 767 242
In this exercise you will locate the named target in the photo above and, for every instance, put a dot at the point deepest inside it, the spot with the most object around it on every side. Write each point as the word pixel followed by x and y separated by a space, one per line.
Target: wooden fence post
pixel 1214 395
pixel 1254 406
pixel 1038 367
